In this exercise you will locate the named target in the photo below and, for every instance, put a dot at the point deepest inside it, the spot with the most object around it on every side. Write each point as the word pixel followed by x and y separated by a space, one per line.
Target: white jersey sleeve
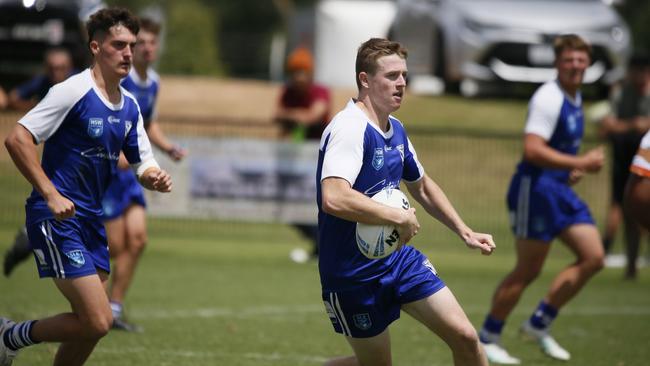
pixel 343 142
pixel 46 117
pixel 544 110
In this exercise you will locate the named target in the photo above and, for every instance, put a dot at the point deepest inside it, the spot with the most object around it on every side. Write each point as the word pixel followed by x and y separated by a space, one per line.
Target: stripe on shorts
pixel 57 264
pixel 334 299
pixel 523 205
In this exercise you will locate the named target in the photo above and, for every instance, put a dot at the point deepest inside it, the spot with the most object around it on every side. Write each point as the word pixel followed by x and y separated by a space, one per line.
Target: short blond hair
pixel 570 42
pixel 371 50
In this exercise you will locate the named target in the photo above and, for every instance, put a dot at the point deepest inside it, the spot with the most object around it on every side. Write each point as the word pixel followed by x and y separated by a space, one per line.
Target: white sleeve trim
pixel 46 117
pixel 343 156
pixel 141 167
pixel 544 110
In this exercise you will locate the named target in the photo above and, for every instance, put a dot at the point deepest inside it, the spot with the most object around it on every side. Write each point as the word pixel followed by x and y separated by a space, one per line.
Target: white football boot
pixel 497 354
pixel 545 341
pixel 6 355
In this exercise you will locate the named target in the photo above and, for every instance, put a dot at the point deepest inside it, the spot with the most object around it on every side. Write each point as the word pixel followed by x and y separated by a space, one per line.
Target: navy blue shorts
pixel 540 208
pixel 367 310
pixel 71 248
pixel 123 191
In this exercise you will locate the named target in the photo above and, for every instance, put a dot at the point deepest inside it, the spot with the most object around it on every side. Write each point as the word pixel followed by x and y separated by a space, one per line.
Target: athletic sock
pixel 543 316
pixel 491 331
pixel 116 309
pixel 19 336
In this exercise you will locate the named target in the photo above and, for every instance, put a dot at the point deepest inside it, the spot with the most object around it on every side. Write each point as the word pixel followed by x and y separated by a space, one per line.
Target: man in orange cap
pixel 302 113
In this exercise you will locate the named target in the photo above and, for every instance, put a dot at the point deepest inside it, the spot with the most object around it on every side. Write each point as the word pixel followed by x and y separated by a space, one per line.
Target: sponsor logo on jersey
pixel 95 127
pixel 572 124
pixel 362 321
pixel 113 119
pixel 378 158
pixel 76 258
pixel 100 152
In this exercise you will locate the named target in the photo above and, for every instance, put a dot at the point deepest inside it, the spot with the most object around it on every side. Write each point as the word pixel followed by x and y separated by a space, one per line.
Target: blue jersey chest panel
pixel 145 95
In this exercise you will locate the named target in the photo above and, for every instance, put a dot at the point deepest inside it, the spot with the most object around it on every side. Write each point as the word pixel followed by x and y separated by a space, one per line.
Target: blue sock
pixel 491 331
pixel 543 316
pixel 19 336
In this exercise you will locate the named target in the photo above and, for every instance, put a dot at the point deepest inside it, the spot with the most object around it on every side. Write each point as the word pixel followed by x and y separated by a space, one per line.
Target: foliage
pixel 637 14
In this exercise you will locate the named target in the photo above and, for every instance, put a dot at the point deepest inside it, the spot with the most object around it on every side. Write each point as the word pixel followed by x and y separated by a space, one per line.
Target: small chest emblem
pixel 378 158
pixel 95 127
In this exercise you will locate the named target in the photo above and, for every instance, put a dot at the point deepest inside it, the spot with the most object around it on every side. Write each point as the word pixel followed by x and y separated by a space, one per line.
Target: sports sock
pixel 116 309
pixel 491 331
pixel 543 316
pixel 19 336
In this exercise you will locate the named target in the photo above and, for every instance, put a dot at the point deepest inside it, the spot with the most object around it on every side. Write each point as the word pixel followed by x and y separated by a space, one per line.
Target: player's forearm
pixel 435 203
pixel 158 138
pixel 23 152
pixel 340 200
pixel 544 156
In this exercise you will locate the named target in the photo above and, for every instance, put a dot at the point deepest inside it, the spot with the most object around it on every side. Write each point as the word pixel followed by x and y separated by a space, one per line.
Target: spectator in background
pixel 302 113
pixel 58 67
pixel 4 100
pixel 637 190
pixel 624 127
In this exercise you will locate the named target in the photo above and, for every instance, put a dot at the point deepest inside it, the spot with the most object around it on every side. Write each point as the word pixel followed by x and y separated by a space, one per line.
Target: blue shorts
pixel 123 191
pixel 540 208
pixel 71 248
pixel 367 310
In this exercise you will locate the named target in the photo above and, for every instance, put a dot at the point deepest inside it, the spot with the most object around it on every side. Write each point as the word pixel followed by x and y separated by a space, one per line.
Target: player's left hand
pixel 177 153
pixel 481 241
pixel 157 180
pixel 575 176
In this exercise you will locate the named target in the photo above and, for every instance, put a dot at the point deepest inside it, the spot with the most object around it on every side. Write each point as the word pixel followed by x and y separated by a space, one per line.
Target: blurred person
pixel 637 191
pixel 57 66
pixel 124 202
pixel 363 151
pixel 303 112
pixel 624 128
pixel 4 99
pixel 84 123
pixel 543 206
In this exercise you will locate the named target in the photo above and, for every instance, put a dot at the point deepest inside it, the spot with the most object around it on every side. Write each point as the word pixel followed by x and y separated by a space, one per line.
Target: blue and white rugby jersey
pixel 557 118
pixel 144 91
pixel 84 134
pixel 355 149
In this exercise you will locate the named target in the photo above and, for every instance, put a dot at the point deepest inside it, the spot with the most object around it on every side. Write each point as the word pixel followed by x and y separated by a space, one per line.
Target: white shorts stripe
pixel 523 199
pixel 340 315
pixel 54 251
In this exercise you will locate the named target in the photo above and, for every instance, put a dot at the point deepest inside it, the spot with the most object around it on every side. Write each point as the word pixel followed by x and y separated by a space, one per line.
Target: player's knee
pixel 98 326
pixel 137 242
pixel 594 264
pixel 466 340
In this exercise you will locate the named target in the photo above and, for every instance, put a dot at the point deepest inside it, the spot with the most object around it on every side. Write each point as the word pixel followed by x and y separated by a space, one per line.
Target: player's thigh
pixel 531 255
pixel 584 241
pixel 116 234
pixel 136 225
pixel 441 313
pixel 372 351
pixel 87 296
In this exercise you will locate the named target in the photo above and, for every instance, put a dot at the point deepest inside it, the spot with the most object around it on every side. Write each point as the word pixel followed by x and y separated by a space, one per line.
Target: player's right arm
pixel 22 149
pixel 340 200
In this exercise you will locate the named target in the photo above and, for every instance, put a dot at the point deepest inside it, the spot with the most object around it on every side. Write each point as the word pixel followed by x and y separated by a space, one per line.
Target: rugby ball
pixel 379 241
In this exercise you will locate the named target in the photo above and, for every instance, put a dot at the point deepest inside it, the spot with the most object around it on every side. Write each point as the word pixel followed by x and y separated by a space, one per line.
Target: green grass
pixel 228 295
pixel 222 293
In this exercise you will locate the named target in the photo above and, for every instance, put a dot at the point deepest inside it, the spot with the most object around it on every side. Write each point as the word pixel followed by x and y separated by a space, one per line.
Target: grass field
pixel 228 295
pixel 221 293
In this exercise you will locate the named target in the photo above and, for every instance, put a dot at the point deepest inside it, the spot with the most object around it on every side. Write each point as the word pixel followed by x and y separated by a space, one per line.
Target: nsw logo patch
pixel 362 321
pixel 76 258
pixel 378 158
pixel 95 127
